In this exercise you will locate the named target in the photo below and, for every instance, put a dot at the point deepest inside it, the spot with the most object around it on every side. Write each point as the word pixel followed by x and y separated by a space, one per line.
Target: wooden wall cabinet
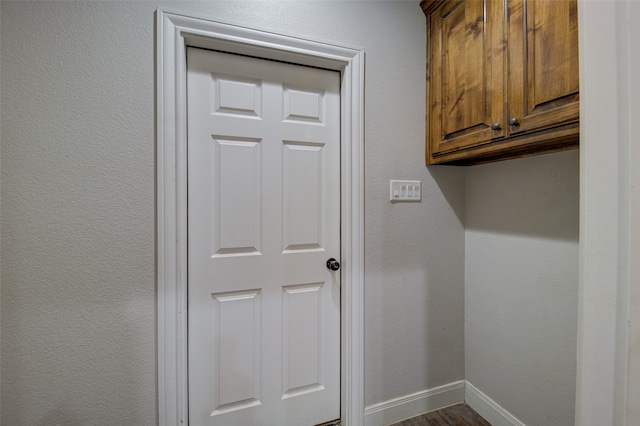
pixel 502 79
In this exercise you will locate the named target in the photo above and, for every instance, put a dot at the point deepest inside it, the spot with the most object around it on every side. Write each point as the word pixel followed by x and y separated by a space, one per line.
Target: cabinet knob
pixel 514 121
pixel 496 126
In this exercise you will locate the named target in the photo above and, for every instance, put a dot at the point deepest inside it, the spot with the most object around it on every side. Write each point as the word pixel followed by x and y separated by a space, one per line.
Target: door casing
pixel 174 32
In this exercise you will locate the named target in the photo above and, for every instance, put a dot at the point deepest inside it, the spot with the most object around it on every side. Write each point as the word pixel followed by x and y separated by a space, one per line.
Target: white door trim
pixel 174 32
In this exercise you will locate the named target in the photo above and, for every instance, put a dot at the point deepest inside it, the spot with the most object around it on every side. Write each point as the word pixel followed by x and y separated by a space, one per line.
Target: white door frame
pixel 174 32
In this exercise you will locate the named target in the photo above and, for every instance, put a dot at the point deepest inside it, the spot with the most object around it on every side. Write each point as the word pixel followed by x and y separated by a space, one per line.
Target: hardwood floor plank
pixel 456 415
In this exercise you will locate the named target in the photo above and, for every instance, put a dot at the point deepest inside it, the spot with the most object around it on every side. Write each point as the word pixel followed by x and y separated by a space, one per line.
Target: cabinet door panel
pixel 466 75
pixel 543 64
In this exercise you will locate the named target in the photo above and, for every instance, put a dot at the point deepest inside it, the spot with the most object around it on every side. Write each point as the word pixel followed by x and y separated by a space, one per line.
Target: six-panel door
pixel 263 218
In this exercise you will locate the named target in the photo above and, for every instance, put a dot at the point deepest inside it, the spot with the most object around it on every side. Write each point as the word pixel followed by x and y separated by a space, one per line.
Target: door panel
pixel 301 331
pixel 263 217
pixel 543 64
pixel 466 75
pixel 303 201
pixel 235 320
pixel 236 224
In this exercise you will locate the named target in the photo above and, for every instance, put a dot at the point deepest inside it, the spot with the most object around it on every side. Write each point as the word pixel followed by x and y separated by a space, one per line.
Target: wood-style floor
pixel 456 415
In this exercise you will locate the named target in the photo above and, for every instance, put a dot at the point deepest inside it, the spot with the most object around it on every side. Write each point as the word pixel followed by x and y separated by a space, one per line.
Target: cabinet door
pixel 543 64
pixel 466 75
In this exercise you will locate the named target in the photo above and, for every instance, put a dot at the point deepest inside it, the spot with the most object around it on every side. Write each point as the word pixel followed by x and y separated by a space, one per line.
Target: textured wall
pixel 633 206
pixel 77 218
pixel 521 282
pixel 414 289
pixel 78 342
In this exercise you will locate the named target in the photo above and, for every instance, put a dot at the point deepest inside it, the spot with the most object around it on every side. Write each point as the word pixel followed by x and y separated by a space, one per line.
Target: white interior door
pixel 263 218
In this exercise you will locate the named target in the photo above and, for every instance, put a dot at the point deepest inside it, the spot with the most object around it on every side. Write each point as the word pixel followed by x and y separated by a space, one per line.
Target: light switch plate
pixel 405 190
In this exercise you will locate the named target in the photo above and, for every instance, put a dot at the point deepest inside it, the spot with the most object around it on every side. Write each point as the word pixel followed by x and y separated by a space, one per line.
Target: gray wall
pixel 521 280
pixel 77 219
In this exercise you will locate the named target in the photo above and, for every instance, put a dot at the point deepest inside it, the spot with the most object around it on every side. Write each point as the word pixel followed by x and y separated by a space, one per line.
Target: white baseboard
pixel 418 403
pixel 488 408
pixel 405 407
